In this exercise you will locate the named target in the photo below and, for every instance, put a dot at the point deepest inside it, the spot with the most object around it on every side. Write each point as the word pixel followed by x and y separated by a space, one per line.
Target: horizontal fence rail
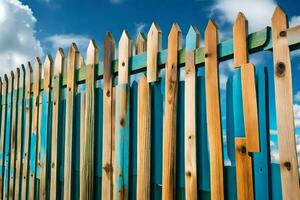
pixel 135 128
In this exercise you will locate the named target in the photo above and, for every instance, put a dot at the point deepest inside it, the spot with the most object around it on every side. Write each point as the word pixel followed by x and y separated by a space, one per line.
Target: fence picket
pixel 73 59
pixel 20 122
pixel 107 167
pixel 121 169
pixel 192 42
pixel 213 114
pixel 3 125
pixel 169 136
pixel 82 177
pixel 13 135
pixel 59 64
pixel 35 128
pixel 284 107
pixel 153 47
pixel 25 156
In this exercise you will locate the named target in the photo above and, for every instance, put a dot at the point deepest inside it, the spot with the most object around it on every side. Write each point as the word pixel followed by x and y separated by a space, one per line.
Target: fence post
pixel 213 113
pixel 169 136
pixel 284 107
pixel 107 167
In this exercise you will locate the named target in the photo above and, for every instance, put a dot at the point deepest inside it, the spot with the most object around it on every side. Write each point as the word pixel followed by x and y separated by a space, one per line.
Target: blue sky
pixel 37 27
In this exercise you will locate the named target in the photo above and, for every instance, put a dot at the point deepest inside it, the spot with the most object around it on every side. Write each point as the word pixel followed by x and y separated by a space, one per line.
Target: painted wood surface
pixel 192 42
pixel 214 128
pixel 121 165
pixel 73 58
pixel 7 137
pixel 59 64
pixel 243 170
pixel 169 136
pixel 154 38
pixel 82 175
pixel 20 124
pixel 37 70
pixel 27 132
pixel 284 107
pixel 3 122
pixel 13 136
pixel 108 122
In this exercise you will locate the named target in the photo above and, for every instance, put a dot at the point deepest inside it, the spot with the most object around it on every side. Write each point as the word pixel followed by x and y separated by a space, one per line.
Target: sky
pixel 30 28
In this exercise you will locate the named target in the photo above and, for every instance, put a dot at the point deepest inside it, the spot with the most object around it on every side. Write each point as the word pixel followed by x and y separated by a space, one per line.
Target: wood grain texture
pixel 8 130
pixel 59 64
pixel 244 178
pixel 3 122
pixel 87 173
pixel 125 51
pixel 192 42
pixel 28 112
pixel 250 107
pixel 43 133
pixel 143 140
pixel 240 33
pixel 121 168
pixel 213 113
pixel 37 70
pixel 107 167
pixel 19 139
pixel 153 47
pixel 13 136
pixel 143 131
pixel 169 136
pixel 284 107
pixel 73 59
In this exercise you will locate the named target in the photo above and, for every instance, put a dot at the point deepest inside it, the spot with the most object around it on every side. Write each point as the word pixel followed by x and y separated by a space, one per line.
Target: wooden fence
pixel 106 130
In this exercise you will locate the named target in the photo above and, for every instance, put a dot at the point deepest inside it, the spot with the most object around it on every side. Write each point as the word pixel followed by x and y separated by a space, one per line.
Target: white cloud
pixel 297 96
pixel 18 41
pixel 257 12
pixel 65 40
pixel 294 21
pixel 139 27
pixel 297 115
pixel 273 132
pixel 274 152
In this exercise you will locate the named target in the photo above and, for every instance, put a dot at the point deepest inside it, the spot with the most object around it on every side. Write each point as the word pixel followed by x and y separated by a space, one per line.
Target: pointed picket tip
pixel 278 13
pixel 211 26
pixel 154 29
pixel 48 61
pixel 60 54
pixel 5 77
pixel 143 81
pixel 92 53
pixel 11 74
pixel 141 38
pixel 240 17
pixel 37 61
pixel 109 37
pixel 23 68
pixel 73 48
pixel 29 68
pixel 125 36
pixel 192 38
pixel 193 30
pixel 175 29
pixel 59 62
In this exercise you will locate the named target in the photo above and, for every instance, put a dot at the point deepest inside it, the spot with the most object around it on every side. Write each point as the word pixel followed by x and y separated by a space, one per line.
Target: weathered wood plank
pixel 19 139
pixel 169 136
pixel 107 167
pixel 34 127
pixel 143 140
pixel 59 65
pixel 121 168
pixel 87 173
pixel 25 156
pixel 243 170
pixel 13 134
pixel 43 136
pixel 192 42
pixel 284 107
pixel 73 58
pixel 3 127
pixel 153 47
pixel 143 130
pixel 8 130
pixel 213 112
pixel 240 32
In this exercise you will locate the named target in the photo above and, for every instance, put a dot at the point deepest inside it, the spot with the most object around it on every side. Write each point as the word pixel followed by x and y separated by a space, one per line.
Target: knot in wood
pixel 123 64
pixel 287 165
pixel 188 173
pixel 282 34
pixel 280 69
pixel 122 121
pixel 206 55
pixel 107 168
pixel 108 93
